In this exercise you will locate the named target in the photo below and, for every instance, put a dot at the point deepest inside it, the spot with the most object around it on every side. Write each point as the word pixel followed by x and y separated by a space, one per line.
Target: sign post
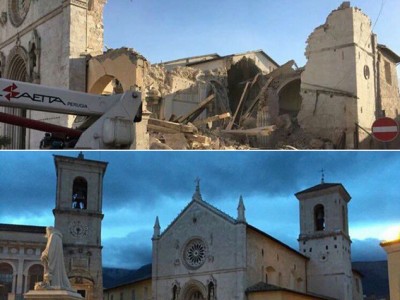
pixel 385 129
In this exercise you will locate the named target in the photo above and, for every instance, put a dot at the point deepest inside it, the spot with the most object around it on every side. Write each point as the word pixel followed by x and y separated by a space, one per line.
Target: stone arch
pixel 35 274
pixel 79 193
pixel 194 290
pixel 123 64
pixel 7 279
pixel 16 69
pixel 319 217
pixel 289 97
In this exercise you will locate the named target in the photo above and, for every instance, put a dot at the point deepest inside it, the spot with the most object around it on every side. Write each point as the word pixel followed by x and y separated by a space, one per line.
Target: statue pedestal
pixel 52 295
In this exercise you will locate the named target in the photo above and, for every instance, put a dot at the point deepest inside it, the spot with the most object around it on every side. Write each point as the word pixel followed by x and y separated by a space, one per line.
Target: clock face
pixel 78 229
pixel 194 254
pixel 18 9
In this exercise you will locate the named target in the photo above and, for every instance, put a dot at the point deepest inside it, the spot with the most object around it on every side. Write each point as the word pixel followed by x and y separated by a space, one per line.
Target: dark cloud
pixel 367 250
pixel 130 252
pixel 146 182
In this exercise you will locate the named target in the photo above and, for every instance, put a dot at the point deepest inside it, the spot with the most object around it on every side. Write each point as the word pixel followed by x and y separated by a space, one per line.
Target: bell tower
pixel 324 238
pixel 78 215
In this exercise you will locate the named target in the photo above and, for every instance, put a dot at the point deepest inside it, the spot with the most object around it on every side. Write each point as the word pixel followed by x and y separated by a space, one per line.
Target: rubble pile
pixel 255 119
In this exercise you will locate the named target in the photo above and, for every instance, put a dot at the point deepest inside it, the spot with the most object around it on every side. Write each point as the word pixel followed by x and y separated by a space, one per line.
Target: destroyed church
pixel 238 101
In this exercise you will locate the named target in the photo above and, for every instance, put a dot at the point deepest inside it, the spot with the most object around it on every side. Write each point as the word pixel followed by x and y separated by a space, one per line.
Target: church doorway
pixel 194 290
pixel 194 295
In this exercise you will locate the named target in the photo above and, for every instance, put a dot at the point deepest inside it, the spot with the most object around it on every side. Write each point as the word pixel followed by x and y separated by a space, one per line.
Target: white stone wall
pixel 336 95
pixel 329 269
pixel 268 258
pixel 224 259
pixel 67 33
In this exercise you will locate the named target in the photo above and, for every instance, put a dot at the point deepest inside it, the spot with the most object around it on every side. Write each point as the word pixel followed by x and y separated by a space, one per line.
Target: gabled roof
pixel 319 187
pixel 207 206
pixel 231 220
pixel 389 52
pixel 23 228
pixel 232 55
pixel 265 287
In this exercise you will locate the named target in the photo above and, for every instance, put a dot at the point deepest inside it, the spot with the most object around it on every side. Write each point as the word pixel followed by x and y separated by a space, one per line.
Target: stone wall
pixel 336 91
pixel 224 263
pixel 271 262
pixel 68 31
pixel 389 86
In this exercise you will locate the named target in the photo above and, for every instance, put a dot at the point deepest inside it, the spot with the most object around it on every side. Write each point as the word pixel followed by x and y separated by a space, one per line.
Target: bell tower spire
pixel 241 211
pixel 197 194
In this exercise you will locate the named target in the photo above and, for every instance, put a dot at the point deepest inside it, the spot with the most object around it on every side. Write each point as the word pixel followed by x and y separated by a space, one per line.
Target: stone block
pixel 52 295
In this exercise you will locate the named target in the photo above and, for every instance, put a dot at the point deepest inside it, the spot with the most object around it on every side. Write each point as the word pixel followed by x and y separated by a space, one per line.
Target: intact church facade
pixel 78 216
pixel 206 254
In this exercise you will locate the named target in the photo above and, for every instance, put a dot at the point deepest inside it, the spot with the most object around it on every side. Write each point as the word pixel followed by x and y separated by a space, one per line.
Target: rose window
pixel 195 253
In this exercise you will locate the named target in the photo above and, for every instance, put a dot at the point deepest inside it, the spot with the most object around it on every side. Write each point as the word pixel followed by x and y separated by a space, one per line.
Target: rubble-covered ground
pixel 239 115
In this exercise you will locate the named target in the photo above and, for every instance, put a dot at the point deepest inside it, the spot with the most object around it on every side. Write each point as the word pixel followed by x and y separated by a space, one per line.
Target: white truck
pixel 108 121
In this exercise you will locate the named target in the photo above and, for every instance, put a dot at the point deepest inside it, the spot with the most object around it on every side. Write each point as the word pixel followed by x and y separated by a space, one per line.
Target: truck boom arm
pixel 113 129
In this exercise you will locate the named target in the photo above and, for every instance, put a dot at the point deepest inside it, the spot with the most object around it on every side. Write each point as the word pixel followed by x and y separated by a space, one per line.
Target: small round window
pixel 367 73
pixel 195 253
pixel 18 9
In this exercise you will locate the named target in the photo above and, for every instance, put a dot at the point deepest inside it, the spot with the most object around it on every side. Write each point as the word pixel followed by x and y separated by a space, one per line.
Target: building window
pixel 6 280
pixel 121 296
pixel 319 217
pixel 35 274
pixel 388 73
pixel 133 295
pixel 79 193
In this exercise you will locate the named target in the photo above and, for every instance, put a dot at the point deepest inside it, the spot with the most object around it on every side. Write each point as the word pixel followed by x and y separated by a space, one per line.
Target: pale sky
pixel 138 186
pixel 167 30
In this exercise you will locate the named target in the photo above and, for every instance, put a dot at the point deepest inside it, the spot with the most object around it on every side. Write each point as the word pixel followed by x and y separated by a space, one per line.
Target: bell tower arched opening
pixel 319 217
pixel 79 193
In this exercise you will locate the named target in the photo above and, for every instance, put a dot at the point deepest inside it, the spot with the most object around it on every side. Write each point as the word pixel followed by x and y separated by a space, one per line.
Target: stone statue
pixel 55 276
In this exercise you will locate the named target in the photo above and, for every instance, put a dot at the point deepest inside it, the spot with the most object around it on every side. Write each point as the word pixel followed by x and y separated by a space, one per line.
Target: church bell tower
pixel 324 238
pixel 78 215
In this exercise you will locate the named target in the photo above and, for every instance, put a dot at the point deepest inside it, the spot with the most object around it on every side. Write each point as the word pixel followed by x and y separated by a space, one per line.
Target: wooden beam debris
pixel 238 108
pixel 211 119
pixel 261 131
pixel 192 115
pixel 169 127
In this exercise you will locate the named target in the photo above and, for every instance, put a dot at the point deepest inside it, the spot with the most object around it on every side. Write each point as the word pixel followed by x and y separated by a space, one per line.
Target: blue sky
pixel 138 186
pixel 166 30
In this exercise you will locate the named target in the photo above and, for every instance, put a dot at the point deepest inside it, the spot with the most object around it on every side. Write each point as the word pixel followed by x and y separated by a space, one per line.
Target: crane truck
pixel 108 121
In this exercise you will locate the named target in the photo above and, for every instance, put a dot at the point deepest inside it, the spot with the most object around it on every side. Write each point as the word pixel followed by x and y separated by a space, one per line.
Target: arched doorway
pixel 290 98
pixel 35 274
pixel 16 70
pixel 194 290
pixel 6 280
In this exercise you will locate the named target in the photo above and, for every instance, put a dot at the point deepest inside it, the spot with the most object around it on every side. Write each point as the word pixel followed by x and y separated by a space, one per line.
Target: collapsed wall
pixel 338 83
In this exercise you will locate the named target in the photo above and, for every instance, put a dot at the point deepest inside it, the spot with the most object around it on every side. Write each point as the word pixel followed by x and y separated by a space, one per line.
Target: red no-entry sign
pixel 385 129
